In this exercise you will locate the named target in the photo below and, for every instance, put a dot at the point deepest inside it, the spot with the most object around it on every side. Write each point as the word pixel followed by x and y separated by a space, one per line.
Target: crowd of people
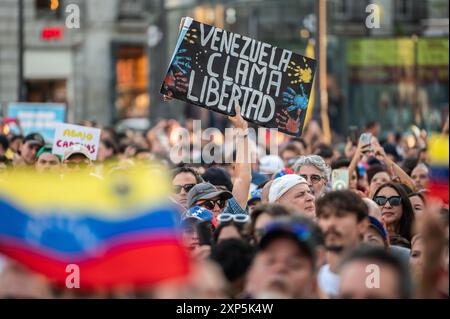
pixel 276 227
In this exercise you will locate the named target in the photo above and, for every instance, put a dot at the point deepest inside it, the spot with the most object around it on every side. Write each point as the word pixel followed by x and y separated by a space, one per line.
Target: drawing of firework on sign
pixel 191 36
pixel 199 57
pixel 299 74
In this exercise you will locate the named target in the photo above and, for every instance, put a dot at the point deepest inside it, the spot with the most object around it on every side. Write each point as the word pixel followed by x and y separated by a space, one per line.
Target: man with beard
pixel 343 218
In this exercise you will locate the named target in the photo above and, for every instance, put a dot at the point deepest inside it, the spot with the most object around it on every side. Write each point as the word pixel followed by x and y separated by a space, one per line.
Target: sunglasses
pixel 210 204
pixel 313 178
pixel 393 201
pixel 186 187
pixel 237 218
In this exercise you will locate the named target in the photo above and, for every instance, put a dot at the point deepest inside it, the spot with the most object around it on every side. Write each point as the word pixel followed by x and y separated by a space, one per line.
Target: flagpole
pixel 322 48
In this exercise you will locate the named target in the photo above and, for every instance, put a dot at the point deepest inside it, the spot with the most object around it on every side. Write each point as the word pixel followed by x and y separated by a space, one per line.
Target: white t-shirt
pixel 328 281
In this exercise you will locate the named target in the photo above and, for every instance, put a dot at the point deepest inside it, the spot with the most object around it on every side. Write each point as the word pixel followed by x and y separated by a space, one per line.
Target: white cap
pixel 282 184
pixel 270 164
pixel 76 149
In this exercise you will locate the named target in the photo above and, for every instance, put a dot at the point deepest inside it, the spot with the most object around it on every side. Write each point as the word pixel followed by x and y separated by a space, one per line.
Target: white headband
pixel 282 184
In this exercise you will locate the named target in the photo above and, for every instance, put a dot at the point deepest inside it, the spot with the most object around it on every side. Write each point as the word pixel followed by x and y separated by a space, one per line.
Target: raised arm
pixel 396 170
pixel 241 185
pixel 359 152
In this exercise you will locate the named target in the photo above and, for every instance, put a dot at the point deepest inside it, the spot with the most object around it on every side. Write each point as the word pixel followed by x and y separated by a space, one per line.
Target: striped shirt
pixel 233 208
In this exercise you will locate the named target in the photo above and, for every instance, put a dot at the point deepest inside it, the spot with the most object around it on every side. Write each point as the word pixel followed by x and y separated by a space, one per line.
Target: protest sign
pixel 37 117
pixel 67 135
pixel 217 70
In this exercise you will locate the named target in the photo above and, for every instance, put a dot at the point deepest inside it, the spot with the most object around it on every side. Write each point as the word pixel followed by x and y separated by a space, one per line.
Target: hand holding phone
pixel 379 151
pixel 366 140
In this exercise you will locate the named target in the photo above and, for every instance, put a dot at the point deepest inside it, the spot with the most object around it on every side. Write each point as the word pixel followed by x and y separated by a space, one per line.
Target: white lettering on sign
pixel 227 69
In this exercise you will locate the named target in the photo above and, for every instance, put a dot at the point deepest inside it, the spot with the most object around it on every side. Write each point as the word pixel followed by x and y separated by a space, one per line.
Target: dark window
pixel 343 9
pixel 348 10
pixel 54 90
pixel 46 9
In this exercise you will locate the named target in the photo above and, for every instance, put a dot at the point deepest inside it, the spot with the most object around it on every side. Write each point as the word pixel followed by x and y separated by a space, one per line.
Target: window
pixel 132 9
pixel 131 66
pixel 404 9
pixel 48 9
pixel 343 9
pixel 54 90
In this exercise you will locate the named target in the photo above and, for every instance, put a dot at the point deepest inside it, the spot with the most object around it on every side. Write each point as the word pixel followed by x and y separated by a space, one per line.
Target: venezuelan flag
pixel 438 146
pixel 119 230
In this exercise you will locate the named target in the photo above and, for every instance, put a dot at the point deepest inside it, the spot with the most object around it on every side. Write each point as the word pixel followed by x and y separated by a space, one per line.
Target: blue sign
pixel 38 117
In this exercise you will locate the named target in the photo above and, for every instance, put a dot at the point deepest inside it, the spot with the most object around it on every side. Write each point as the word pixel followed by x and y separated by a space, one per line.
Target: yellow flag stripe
pixel 113 196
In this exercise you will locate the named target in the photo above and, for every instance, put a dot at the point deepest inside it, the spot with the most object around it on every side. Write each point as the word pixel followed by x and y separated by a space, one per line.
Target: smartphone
pixel 339 179
pixel 366 138
pixel 205 233
pixel 353 134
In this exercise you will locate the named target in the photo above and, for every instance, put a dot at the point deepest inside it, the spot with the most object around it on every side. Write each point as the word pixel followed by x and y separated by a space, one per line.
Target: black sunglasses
pixel 186 187
pixel 393 200
pixel 210 204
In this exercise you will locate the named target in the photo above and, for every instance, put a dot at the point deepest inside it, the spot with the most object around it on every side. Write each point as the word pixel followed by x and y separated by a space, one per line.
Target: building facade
pixel 112 66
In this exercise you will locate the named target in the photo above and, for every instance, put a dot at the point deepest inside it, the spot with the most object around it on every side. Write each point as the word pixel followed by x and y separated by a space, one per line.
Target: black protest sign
pixel 218 70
